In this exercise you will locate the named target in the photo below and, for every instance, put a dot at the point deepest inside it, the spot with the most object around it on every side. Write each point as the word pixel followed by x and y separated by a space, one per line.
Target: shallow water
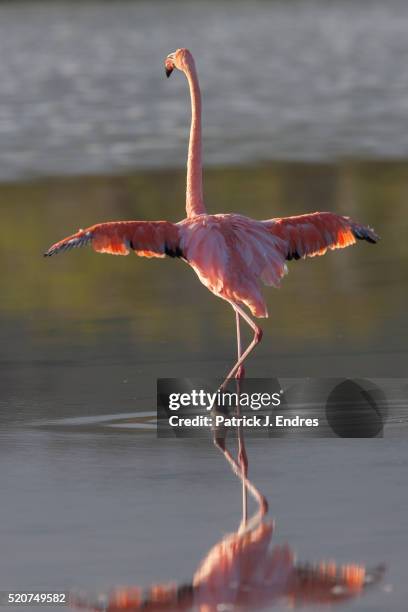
pixel 83 87
pixel 84 336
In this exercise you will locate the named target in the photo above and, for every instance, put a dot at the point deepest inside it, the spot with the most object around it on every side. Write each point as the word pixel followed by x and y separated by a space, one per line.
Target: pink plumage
pixel 231 254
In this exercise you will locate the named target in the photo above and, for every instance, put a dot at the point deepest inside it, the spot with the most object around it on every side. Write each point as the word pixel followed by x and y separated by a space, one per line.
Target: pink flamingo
pixel 230 253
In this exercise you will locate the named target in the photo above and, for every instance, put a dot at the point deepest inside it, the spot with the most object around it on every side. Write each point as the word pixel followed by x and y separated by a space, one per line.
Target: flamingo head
pixel 180 59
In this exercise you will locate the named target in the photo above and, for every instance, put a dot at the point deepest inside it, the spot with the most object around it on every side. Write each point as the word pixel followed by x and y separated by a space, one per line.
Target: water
pixel 83 87
pixel 83 337
pixel 87 500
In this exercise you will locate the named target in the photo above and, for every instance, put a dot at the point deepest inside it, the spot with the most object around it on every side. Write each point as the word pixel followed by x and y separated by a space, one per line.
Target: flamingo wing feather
pixel 81 238
pixel 145 238
pixel 313 234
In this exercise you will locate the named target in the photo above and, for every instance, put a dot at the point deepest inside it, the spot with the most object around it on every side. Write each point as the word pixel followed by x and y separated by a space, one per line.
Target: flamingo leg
pixel 240 469
pixel 256 340
pixel 242 455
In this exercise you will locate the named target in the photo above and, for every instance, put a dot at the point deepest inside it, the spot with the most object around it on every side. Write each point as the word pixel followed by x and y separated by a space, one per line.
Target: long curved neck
pixel 194 191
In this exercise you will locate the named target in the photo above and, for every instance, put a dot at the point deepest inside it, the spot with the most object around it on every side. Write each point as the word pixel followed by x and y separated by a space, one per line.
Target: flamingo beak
pixel 168 66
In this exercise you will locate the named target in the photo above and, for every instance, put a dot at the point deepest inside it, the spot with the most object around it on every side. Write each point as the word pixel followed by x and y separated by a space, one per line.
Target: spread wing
pixel 312 234
pixel 146 238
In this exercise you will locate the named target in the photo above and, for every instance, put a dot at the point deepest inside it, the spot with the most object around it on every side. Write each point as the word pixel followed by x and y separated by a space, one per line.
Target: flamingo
pixel 231 254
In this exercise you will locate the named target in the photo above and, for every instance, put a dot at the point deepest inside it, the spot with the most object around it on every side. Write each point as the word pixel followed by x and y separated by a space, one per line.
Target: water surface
pixel 85 335
pixel 83 87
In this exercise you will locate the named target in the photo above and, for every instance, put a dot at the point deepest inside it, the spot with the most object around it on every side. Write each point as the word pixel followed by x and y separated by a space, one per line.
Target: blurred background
pixel 305 107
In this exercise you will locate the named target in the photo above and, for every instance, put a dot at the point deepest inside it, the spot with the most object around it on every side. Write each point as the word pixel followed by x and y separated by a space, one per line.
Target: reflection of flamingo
pixel 242 572
pixel 230 253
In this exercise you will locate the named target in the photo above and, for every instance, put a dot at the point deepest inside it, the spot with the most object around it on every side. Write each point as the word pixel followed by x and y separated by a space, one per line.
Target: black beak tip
pixel 168 71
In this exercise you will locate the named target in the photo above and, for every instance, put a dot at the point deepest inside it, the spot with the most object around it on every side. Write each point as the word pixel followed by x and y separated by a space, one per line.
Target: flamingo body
pixel 231 254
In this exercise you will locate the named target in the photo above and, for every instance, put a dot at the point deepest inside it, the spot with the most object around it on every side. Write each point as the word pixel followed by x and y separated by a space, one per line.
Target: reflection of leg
pixel 250 487
pixel 240 469
pixel 256 339
pixel 242 455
